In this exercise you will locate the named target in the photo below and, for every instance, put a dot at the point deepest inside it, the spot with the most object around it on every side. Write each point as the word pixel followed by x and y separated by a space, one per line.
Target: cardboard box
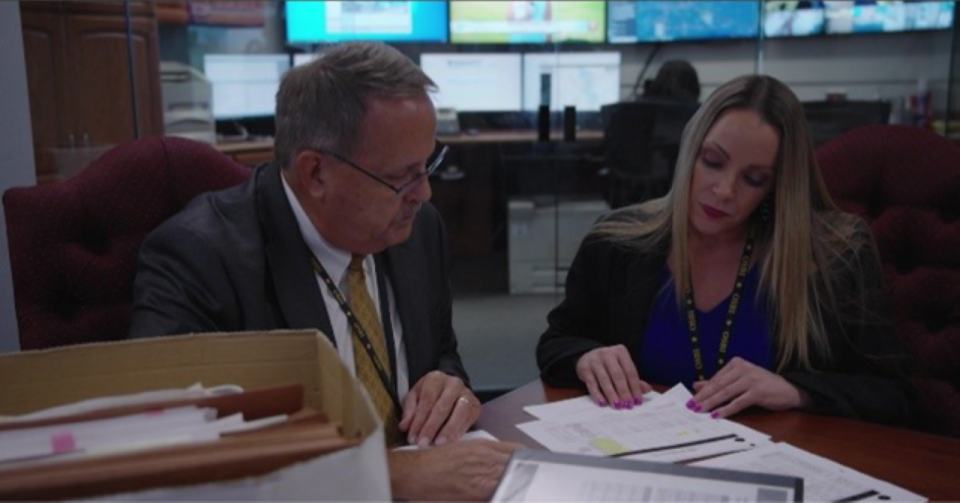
pixel 36 380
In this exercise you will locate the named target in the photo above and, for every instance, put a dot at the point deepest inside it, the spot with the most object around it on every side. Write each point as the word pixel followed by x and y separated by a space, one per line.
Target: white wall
pixel 16 153
pixel 864 66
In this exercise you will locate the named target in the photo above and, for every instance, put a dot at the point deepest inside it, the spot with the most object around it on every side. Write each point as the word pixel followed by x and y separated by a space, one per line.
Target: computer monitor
pixel 887 17
pixel 792 19
pixel 244 85
pixel 499 22
pixel 649 21
pixel 795 19
pixel 316 22
pixel 475 81
pixel 586 80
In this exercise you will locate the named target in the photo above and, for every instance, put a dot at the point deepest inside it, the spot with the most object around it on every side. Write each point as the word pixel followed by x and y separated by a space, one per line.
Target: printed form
pixel 546 476
pixel 824 480
pixel 662 429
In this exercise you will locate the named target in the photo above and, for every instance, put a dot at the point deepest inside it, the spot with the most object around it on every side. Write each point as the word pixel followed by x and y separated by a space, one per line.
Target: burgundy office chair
pixel 905 182
pixel 74 244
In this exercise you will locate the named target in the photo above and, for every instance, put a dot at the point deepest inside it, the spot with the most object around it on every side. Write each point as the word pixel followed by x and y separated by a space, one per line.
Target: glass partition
pixel 556 112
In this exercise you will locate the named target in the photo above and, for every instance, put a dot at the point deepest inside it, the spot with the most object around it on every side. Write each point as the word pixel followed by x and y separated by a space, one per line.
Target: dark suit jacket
pixel 235 260
pixel 611 289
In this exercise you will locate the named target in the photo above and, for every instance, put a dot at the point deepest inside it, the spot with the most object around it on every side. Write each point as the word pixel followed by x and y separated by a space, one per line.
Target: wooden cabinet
pixel 90 85
pixel 172 13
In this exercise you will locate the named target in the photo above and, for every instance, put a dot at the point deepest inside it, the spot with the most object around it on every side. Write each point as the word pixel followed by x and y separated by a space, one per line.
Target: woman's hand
pixel 611 377
pixel 740 384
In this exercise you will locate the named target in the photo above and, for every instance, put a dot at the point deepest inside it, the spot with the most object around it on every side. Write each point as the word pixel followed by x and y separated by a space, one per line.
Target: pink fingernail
pixel 715 415
pixel 638 400
pixel 691 404
pixel 602 403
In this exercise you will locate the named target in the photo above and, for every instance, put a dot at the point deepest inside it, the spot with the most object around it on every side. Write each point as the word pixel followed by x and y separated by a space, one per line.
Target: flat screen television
pixel 586 80
pixel 319 22
pixel 499 22
pixel 244 85
pixel 886 17
pixel 648 21
pixel 475 82
pixel 793 19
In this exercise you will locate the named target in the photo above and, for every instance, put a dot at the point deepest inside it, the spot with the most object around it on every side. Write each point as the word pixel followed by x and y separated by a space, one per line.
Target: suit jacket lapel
pixel 402 261
pixel 294 281
pixel 643 276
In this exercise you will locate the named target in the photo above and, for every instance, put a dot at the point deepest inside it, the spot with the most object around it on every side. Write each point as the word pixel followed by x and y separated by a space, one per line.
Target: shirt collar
pixel 333 259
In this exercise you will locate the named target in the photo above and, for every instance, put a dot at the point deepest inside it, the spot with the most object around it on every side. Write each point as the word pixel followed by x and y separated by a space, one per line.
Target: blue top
pixel 666 356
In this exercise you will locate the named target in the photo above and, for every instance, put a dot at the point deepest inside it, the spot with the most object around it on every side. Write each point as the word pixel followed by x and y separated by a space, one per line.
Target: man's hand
pixel 611 377
pixel 438 409
pixel 740 384
pixel 461 471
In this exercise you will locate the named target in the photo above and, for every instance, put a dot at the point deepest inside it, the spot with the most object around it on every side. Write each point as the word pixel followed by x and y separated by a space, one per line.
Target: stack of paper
pixel 545 476
pixel 824 480
pixel 663 429
pixel 127 447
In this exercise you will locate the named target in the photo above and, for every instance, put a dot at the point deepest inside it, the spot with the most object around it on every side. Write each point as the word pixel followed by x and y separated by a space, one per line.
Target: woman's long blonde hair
pixel 804 238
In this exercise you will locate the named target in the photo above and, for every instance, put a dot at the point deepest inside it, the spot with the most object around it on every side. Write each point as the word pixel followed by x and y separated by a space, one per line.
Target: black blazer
pixel 611 288
pixel 235 260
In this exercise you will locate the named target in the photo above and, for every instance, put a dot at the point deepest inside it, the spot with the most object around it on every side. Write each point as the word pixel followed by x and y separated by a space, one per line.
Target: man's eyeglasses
pixel 436 158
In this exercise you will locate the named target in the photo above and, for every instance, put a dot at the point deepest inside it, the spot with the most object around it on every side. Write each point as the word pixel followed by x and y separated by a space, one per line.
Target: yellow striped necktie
pixel 366 313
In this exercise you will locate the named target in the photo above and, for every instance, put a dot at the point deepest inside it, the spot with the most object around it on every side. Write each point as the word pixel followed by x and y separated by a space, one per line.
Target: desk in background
pixel 251 153
pixel 925 464
pixel 470 190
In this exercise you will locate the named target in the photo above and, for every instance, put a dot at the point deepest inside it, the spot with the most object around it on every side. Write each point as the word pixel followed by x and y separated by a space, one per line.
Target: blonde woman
pixel 745 282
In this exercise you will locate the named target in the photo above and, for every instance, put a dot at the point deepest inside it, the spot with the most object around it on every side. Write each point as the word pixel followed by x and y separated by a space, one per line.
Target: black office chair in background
pixel 828 119
pixel 641 145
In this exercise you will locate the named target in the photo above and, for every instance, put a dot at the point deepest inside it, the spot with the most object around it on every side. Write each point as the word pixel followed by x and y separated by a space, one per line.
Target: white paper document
pixel 146 430
pixel 824 480
pixel 194 391
pixel 573 406
pixel 540 476
pixel 662 429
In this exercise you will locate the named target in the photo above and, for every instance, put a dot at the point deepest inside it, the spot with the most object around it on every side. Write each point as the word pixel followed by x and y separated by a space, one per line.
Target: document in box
pixel 156 428
pixel 824 480
pixel 83 436
pixel 195 391
pixel 544 476
pixel 662 429
pixel 132 422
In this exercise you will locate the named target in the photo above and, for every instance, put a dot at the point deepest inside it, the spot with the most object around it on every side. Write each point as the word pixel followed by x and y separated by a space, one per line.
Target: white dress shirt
pixel 335 262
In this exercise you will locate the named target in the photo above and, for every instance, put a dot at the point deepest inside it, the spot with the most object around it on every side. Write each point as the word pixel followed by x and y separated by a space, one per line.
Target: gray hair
pixel 322 104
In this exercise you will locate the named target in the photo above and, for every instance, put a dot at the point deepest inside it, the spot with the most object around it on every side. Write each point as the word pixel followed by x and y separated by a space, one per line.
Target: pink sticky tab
pixel 63 442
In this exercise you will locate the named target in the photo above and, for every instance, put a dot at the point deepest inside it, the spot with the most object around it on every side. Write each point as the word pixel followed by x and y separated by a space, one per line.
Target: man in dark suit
pixel 339 216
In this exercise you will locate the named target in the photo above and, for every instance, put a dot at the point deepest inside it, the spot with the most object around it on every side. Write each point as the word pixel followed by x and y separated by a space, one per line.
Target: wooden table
pixel 926 464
